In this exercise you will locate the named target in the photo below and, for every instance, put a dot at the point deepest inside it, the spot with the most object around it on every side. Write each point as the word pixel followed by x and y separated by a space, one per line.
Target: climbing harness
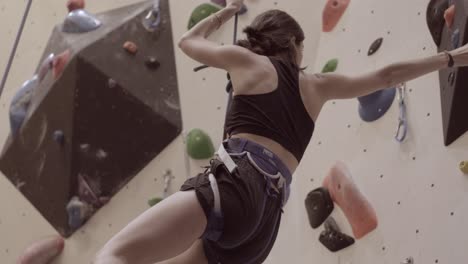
pixel 277 176
pixel 402 119
pixel 15 46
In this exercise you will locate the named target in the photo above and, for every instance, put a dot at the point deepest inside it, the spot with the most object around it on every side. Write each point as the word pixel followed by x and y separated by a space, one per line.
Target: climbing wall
pixel 415 187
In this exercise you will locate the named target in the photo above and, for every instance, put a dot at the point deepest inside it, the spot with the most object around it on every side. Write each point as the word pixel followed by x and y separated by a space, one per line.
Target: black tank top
pixel 279 115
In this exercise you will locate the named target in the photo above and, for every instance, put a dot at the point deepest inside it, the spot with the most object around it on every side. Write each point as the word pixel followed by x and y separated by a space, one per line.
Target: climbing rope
pixel 15 46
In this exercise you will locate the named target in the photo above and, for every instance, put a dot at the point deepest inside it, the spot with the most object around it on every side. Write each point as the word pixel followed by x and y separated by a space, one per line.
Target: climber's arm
pixel 336 86
pixel 195 44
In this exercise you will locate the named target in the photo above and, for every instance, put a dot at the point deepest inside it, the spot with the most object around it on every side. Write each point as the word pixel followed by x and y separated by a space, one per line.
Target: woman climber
pixel 232 212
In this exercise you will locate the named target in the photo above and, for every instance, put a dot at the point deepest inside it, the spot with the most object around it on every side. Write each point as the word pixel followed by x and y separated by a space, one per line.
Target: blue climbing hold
pixel 375 105
pixel 59 137
pixel 78 213
pixel 456 39
pixel 20 104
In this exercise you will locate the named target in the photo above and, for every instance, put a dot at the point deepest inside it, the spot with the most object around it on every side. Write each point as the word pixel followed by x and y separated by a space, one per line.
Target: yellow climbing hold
pixel 464 167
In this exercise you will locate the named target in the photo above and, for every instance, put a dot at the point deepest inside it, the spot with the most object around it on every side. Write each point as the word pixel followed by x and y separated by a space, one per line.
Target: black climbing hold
pixel 333 239
pixel 59 137
pixel 152 63
pixel 435 18
pixel 375 46
pixel 455 39
pixel 319 206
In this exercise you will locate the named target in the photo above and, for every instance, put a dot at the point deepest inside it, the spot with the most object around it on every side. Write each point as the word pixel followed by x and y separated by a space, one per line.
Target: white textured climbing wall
pixel 415 187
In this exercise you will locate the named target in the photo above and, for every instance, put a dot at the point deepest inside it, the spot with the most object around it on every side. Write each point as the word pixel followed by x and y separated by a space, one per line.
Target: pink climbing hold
pixel 332 13
pixel 43 251
pixel 449 15
pixel 354 204
pixel 75 4
pixel 59 63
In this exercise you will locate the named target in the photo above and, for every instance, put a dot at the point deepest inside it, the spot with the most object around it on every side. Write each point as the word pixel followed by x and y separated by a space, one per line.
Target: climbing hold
pixel 449 15
pixel 84 148
pixel 464 167
pixel 455 39
pixel 375 46
pixel 243 10
pixel 375 105
pixel 59 137
pixel 330 66
pixel 344 192
pixel 152 20
pixel 319 206
pixel 101 154
pixel 78 213
pixel 152 63
pixel 75 4
pixel 334 240
pixel 201 12
pixel 130 47
pixel 43 251
pixel 112 83
pixel 20 104
pixel 333 11
pixel 59 63
pixel 80 21
pixel 409 260
pixel 199 145
pixel 435 18
pixel 152 202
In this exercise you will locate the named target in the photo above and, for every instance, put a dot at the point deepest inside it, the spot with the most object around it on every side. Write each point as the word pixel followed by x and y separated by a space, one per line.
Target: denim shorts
pixel 251 212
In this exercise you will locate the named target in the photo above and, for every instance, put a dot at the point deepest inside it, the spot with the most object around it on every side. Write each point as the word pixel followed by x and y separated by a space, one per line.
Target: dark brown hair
pixel 271 34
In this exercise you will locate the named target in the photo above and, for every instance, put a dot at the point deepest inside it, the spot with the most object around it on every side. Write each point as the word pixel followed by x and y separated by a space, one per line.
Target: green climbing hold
pixel 201 12
pixel 330 66
pixel 154 201
pixel 199 145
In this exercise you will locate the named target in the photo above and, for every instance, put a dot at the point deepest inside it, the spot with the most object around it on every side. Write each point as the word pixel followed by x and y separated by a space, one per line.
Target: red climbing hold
pixel 449 15
pixel 75 4
pixel 332 13
pixel 344 192
pixel 59 63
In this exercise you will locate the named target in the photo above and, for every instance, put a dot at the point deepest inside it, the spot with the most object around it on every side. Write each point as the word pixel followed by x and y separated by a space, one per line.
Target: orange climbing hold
pixel 449 15
pixel 344 192
pixel 75 4
pixel 59 63
pixel 332 13
pixel 42 251
pixel 130 47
